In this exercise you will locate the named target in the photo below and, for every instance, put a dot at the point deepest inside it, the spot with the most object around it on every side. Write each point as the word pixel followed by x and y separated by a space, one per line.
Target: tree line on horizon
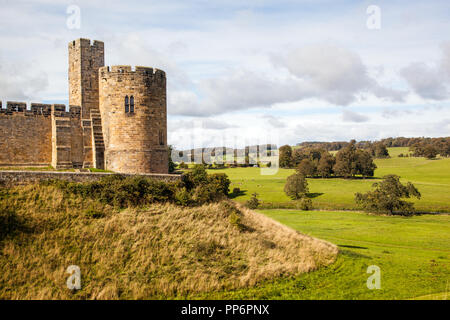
pixel 418 146
pixel 318 162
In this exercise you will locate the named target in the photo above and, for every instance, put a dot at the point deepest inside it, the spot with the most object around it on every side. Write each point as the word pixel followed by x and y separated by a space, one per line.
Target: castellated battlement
pixel 39 109
pixel 86 43
pixel 152 75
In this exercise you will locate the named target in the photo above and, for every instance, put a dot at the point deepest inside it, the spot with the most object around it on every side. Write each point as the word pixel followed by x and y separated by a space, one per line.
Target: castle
pixel 117 119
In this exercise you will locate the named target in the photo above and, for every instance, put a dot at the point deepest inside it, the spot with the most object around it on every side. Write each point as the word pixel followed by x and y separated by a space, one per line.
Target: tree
pixel 172 164
pixel 306 168
pixel 387 197
pixel 296 186
pixel 379 150
pixel 429 152
pixel 285 156
pixel 346 161
pixel 351 161
pixel 325 165
pixel 364 163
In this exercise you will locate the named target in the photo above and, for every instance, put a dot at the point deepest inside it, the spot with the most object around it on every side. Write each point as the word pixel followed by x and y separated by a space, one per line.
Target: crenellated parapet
pixel 39 109
pixel 150 75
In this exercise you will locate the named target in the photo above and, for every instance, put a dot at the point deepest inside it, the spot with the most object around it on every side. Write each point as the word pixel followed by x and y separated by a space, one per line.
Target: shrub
pixel 236 191
pixel 305 204
pixel 220 182
pixel 253 203
pixel 196 177
pixel 120 191
pixel 235 219
pixel 183 165
pixel 183 197
pixel 205 194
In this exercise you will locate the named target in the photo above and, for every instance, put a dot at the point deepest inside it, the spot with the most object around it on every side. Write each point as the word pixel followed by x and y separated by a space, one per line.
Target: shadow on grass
pixel 353 254
pixel 352 247
pixel 314 195
pixel 233 195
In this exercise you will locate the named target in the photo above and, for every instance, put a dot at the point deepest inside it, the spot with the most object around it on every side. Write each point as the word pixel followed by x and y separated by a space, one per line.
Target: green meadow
pixel 431 177
pixel 413 254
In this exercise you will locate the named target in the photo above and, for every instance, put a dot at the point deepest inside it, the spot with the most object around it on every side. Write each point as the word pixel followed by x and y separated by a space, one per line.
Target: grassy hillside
pixel 413 254
pixel 431 177
pixel 161 251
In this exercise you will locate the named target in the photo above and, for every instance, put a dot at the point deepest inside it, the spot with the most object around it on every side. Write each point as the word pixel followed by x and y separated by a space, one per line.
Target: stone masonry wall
pixel 135 142
pixel 12 178
pixel 25 135
pixel 67 137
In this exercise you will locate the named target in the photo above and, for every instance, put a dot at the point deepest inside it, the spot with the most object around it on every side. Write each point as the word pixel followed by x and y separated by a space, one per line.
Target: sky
pixel 248 72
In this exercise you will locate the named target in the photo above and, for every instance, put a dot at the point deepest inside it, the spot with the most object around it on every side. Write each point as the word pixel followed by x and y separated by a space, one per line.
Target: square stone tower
pixel 85 59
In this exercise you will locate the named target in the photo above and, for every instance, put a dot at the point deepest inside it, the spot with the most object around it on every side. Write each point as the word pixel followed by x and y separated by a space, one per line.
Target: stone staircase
pixel 98 144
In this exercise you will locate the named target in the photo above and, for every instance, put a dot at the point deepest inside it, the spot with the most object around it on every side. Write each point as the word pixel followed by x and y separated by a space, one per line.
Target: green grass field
pixel 431 177
pixel 413 254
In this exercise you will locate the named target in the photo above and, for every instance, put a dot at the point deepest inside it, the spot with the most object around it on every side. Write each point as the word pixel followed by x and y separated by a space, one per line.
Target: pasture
pixel 431 177
pixel 413 254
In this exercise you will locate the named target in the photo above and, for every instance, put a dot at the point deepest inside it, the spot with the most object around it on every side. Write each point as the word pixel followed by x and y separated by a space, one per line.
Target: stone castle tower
pixel 135 102
pixel 117 119
pixel 123 112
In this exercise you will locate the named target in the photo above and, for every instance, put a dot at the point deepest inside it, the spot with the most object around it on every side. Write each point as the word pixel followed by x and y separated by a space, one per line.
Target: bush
pixel 220 182
pixel 197 187
pixel 120 191
pixel 183 197
pixel 305 204
pixel 206 194
pixel 253 203
pixel 183 165
pixel 236 191
pixel 196 177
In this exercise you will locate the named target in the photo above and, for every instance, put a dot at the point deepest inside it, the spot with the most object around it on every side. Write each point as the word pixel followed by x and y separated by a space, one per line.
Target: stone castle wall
pixel 13 178
pixel 135 142
pixel 25 135
pixel 42 136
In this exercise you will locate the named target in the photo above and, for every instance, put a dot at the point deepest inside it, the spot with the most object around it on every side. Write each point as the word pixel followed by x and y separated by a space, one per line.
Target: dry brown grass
pixel 163 251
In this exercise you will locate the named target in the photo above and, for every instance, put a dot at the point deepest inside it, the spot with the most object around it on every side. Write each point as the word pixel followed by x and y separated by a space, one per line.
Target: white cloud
pixel 430 81
pixel 351 116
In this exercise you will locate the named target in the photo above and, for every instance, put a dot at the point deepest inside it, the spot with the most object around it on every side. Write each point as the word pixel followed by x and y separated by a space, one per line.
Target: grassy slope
pixel 432 177
pixel 162 251
pixel 413 254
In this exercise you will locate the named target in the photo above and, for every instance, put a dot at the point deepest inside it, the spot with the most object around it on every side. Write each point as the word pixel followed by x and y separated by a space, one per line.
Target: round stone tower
pixel 134 119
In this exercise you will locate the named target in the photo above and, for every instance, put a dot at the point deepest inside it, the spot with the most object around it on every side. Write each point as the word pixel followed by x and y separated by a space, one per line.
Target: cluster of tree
pixel 430 149
pixel 387 197
pixel 317 162
pixel 329 146
pixel 378 149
